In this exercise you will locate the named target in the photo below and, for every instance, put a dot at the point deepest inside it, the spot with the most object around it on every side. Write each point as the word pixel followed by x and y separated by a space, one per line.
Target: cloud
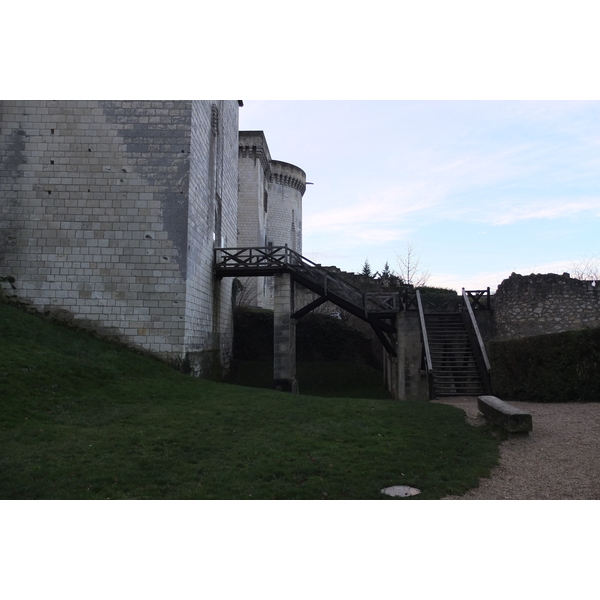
pixel 431 183
pixel 378 209
pixel 514 211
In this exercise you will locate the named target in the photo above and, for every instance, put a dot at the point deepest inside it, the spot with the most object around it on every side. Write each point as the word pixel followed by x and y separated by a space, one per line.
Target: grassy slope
pixel 83 418
pixel 328 379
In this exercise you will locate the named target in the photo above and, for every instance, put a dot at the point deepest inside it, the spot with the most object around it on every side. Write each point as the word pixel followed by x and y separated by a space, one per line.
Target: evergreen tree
pixel 366 270
pixel 388 277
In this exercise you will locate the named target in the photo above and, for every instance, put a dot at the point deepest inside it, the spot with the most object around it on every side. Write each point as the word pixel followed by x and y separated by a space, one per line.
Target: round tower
pixel 286 188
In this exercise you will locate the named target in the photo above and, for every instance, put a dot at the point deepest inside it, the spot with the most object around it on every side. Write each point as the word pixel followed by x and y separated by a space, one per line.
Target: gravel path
pixel 559 460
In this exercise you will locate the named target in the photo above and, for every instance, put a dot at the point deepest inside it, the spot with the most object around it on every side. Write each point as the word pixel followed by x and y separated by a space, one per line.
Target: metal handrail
pixel 476 330
pixel 429 363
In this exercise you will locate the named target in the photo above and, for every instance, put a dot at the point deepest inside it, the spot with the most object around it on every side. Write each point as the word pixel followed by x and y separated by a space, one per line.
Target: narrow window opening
pixel 214 120
pixel 217 233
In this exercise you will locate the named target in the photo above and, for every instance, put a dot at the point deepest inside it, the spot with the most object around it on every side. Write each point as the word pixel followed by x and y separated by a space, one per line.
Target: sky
pixel 479 189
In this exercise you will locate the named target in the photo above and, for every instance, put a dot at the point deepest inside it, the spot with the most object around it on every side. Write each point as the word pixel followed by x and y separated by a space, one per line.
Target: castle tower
pixel 288 184
pixel 253 203
pixel 269 211
pixel 254 176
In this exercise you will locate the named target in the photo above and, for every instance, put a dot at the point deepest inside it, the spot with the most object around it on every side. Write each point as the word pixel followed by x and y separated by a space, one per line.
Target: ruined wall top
pixel 526 305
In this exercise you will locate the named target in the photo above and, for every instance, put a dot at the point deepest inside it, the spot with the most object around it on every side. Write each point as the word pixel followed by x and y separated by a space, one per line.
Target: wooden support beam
pixel 375 324
pixel 309 307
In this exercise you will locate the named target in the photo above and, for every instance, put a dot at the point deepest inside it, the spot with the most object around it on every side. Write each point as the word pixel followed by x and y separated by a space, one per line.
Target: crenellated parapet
pixel 253 144
pixel 283 173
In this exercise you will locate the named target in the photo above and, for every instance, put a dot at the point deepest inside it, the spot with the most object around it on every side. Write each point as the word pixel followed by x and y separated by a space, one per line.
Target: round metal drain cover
pixel 403 491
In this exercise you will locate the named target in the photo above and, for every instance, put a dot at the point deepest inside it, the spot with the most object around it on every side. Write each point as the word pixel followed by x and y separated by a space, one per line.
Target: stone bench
pixel 500 413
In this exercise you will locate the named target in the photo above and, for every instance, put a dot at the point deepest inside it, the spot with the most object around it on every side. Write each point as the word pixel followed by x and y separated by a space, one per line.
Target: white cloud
pixel 381 208
pixel 541 209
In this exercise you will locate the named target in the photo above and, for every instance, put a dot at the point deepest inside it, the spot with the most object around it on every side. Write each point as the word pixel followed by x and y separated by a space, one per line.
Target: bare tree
pixel 586 269
pixel 410 269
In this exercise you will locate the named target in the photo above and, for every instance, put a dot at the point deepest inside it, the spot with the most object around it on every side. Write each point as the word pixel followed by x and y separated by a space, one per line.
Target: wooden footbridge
pixel 379 308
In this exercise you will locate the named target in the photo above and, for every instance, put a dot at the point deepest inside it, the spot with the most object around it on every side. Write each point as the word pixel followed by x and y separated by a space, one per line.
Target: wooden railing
pixel 426 350
pixel 478 299
pixel 244 262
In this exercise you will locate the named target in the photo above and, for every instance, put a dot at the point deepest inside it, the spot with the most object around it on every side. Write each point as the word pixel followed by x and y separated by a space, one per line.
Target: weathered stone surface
pixel 110 211
pixel 526 305
pixel 510 418
pixel 269 211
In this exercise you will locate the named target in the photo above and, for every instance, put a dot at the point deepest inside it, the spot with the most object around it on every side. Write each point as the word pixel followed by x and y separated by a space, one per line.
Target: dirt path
pixel 559 460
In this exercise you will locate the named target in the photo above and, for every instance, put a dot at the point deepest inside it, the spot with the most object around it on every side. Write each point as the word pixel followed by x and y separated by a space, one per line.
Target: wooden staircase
pixel 455 371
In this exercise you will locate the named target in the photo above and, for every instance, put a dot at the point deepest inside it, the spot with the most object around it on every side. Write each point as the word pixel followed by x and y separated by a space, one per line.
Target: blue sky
pixel 479 188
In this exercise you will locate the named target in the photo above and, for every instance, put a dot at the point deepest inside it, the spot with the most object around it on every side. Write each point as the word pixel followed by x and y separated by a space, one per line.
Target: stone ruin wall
pixel 527 305
pixel 108 217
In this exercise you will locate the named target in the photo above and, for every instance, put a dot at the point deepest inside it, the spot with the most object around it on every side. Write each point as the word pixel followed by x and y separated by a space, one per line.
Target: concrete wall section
pixel 284 329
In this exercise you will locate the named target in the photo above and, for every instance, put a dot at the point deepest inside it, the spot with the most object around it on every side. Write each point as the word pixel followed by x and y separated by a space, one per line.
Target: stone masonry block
pixel 510 418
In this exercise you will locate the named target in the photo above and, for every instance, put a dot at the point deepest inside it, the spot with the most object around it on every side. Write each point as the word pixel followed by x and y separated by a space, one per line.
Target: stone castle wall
pixel 270 208
pixel 253 201
pixel 526 305
pixel 212 221
pixel 288 184
pixel 108 213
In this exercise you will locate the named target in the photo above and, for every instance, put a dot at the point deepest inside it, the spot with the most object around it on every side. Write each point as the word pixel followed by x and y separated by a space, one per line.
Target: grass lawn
pixel 328 379
pixel 82 418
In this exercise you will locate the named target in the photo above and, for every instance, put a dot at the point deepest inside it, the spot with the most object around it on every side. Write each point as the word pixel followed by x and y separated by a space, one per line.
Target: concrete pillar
pixel 284 363
pixel 412 383
pixel 390 374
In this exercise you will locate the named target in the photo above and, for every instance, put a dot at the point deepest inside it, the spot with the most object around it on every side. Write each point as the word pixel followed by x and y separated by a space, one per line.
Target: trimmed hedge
pixel 558 367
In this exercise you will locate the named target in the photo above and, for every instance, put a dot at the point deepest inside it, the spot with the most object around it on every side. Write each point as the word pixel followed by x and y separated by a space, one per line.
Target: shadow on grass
pixel 84 419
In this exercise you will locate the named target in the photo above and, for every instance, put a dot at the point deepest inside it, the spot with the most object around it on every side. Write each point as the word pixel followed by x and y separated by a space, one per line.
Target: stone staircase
pixel 455 371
